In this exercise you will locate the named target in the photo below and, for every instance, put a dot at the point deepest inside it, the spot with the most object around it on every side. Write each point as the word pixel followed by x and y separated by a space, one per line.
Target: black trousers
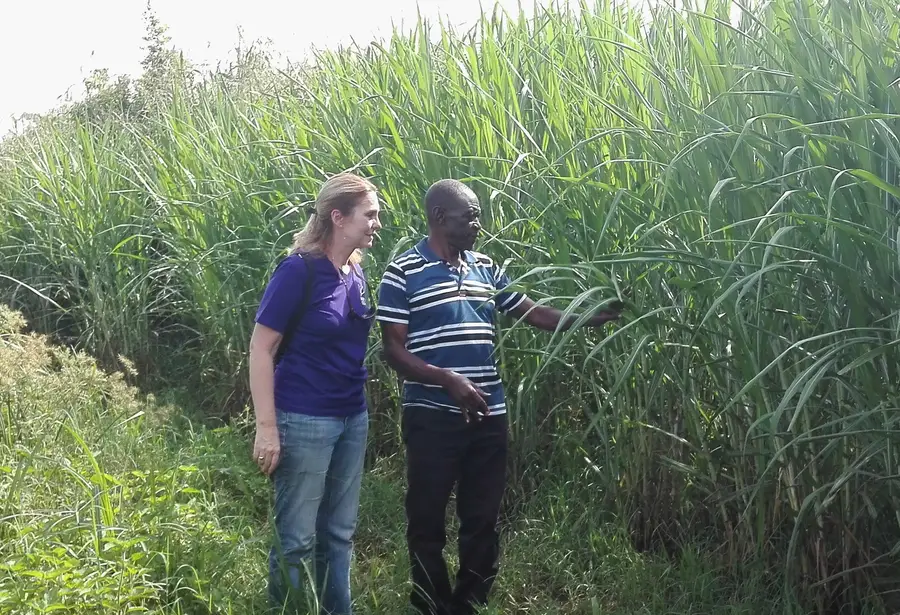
pixel 443 451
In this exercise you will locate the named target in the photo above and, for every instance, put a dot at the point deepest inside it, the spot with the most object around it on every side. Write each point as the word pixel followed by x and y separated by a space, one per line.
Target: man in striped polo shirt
pixel 436 307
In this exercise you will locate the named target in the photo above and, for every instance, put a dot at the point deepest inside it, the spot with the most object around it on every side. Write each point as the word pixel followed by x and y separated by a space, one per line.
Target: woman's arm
pixel 263 346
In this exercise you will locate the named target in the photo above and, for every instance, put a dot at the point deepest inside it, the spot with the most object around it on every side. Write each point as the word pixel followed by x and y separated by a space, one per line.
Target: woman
pixel 307 382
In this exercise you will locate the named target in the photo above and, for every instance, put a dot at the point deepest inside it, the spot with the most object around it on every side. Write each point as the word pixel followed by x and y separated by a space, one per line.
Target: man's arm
pixel 469 397
pixel 541 316
pixel 550 319
pixel 408 365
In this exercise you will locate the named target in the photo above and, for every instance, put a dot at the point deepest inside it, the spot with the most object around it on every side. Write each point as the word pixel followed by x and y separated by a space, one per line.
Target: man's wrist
pixel 601 319
pixel 443 376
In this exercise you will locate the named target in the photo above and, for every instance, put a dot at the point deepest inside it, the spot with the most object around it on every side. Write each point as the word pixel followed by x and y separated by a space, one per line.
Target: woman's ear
pixel 337 219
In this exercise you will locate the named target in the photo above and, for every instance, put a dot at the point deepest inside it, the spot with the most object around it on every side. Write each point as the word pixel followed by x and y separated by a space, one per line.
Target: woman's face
pixel 360 227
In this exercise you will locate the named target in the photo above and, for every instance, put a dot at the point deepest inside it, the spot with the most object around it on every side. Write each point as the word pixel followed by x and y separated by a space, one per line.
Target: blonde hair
pixel 341 192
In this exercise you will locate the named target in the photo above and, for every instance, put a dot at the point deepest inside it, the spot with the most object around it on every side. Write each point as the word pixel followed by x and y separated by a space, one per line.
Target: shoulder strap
pixel 299 312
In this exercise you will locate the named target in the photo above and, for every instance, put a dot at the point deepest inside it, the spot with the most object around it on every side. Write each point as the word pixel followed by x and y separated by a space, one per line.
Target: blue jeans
pixel 317 485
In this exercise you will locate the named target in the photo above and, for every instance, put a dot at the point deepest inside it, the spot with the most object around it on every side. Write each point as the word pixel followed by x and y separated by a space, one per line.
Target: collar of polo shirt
pixel 428 254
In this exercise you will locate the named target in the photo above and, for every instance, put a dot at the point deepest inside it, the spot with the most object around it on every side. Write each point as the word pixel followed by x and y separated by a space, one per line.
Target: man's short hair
pixel 443 193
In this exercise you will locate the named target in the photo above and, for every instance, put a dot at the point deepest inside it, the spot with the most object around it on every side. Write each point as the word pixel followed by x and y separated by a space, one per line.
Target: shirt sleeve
pixel 284 294
pixel 393 303
pixel 506 300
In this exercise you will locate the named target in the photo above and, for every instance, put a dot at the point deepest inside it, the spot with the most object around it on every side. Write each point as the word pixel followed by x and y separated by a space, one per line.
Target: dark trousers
pixel 443 451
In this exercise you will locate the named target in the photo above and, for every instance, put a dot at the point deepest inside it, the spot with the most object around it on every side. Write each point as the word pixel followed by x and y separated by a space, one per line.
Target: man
pixel 436 308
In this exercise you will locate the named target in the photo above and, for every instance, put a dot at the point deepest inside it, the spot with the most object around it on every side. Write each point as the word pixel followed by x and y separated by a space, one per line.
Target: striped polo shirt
pixel 449 312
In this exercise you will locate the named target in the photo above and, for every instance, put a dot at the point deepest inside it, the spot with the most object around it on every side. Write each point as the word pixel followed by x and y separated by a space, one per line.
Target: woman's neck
pixel 339 255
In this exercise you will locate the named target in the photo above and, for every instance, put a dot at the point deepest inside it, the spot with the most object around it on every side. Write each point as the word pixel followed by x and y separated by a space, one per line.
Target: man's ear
pixel 439 215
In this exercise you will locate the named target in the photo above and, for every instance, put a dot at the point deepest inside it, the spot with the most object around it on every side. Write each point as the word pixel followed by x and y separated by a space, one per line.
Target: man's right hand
pixel 470 398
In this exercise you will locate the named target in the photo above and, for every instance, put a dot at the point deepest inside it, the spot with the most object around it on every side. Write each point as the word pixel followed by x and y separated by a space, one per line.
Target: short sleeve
pixel 284 294
pixel 393 304
pixel 506 301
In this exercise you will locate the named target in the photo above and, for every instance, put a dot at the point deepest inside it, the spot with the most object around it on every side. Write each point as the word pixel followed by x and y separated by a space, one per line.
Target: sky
pixel 48 47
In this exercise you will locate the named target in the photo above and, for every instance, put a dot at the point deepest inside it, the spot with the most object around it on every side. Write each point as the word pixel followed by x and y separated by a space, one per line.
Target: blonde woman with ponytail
pixel 307 381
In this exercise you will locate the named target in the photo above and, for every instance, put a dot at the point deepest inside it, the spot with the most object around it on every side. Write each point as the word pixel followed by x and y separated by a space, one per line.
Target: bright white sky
pixel 47 47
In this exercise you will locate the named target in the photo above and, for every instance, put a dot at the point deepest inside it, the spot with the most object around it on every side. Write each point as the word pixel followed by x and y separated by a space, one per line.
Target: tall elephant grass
pixel 735 180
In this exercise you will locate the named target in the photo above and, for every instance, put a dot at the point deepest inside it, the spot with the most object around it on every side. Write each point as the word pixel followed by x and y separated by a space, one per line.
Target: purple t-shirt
pixel 322 371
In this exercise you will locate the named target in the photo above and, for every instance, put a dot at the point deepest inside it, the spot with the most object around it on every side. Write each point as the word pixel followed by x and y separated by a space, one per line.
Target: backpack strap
pixel 299 312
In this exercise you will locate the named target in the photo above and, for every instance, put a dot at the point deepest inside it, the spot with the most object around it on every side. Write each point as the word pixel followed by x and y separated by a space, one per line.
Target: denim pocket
pixel 281 427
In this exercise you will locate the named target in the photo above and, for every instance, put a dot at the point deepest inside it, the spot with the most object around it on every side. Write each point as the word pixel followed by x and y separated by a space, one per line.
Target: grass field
pixel 114 502
pixel 735 181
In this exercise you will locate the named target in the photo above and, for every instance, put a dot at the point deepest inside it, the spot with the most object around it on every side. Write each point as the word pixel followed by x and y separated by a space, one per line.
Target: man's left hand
pixel 611 313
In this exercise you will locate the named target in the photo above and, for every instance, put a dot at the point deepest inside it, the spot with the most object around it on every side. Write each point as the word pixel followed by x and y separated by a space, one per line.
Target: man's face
pixel 461 222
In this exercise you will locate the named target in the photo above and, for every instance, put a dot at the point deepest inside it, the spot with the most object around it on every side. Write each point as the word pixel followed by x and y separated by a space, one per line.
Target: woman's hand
pixel 267 449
